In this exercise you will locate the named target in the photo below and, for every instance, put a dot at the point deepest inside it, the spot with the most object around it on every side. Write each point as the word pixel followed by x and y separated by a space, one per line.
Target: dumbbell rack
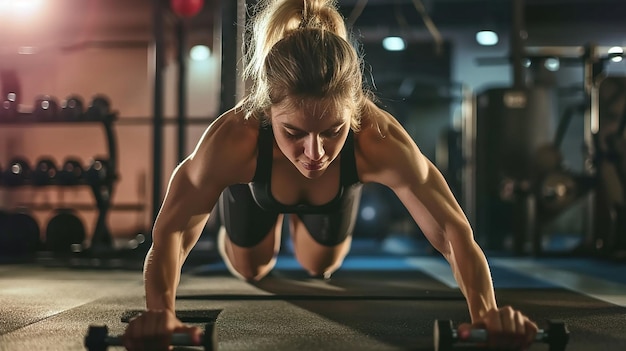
pixel 101 244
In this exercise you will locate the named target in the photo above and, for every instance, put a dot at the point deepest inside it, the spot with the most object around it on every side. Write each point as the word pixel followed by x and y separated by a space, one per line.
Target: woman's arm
pixel 389 156
pixel 226 154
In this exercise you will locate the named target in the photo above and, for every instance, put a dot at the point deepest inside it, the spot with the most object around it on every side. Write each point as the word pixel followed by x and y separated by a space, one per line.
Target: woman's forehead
pixel 311 109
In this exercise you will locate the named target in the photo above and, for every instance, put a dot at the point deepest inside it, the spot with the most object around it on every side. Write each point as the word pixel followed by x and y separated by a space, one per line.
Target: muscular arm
pixel 224 156
pixel 176 230
pixel 389 156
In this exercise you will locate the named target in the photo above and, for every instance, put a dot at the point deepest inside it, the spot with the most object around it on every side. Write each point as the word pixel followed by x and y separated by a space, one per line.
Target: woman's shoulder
pixel 230 144
pixel 381 143
pixel 377 125
pixel 232 125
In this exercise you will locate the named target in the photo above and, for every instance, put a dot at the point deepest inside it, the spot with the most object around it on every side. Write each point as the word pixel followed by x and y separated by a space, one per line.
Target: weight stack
pixel 511 124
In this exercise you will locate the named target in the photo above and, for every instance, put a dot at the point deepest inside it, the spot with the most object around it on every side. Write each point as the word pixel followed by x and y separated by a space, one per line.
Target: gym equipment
pixel 98 171
pixel 46 108
pixel 445 336
pixel 65 233
pixel 17 172
pixel 8 109
pixel 45 172
pixel 99 108
pixel 72 108
pixel 71 173
pixel 98 338
pixel 557 190
pixel 19 234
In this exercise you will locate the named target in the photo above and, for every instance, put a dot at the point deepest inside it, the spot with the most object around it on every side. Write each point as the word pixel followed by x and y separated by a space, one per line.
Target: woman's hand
pixel 506 328
pixel 153 329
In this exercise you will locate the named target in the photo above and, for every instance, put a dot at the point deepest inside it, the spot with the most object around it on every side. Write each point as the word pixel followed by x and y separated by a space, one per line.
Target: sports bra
pixel 260 187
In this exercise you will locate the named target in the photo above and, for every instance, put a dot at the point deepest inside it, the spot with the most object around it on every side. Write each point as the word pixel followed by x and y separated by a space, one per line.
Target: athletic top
pixel 260 187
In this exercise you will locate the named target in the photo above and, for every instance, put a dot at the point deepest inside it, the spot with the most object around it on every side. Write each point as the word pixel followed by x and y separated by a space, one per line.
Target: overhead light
pixel 394 44
pixel 552 64
pixel 487 38
pixel 200 53
pixel 616 54
pixel 20 8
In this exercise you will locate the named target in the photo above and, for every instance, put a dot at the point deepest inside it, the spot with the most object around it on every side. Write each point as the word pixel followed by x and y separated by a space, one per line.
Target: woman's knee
pixel 249 263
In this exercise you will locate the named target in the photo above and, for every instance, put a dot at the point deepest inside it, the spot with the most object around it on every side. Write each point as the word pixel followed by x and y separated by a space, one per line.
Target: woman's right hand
pixel 153 329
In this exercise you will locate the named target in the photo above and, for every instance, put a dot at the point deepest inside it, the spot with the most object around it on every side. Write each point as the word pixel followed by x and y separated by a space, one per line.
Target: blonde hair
pixel 300 49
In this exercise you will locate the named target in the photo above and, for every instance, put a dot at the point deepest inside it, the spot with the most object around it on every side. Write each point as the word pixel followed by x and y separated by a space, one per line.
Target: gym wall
pixel 125 76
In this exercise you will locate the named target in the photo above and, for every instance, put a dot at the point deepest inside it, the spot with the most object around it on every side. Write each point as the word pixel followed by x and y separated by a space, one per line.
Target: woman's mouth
pixel 313 166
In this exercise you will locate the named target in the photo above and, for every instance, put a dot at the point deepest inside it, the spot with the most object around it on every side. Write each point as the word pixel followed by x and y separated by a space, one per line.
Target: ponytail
pixel 314 43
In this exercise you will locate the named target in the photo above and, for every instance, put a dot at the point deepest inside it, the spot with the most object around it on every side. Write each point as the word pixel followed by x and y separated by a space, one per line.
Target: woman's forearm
pixel 471 271
pixel 161 278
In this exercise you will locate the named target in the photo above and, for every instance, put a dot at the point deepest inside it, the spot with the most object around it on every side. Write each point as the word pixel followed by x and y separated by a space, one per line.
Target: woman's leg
pixel 322 241
pixel 317 259
pixel 249 239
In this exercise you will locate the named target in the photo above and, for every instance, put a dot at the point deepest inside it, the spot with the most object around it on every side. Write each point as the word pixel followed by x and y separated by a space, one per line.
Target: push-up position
pixel 301 144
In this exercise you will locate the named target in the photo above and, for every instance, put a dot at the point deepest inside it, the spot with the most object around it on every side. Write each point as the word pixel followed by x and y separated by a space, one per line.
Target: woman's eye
pixel 294 135
pixel 333 133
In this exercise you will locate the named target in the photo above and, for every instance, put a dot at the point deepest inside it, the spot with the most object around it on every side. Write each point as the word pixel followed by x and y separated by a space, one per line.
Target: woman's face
pixel 309 135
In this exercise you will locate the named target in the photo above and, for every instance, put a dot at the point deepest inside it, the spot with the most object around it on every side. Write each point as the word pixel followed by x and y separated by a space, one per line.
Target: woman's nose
pixel 314 149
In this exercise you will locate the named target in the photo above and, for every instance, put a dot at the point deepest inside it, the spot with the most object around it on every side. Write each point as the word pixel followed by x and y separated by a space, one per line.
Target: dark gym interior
pixel 521 104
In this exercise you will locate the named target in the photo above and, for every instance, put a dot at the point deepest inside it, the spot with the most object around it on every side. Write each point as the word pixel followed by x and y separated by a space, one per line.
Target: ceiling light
pixel 487 38
pixel 616 53
pixel 552 64
pixel 394 44
pixel 200 53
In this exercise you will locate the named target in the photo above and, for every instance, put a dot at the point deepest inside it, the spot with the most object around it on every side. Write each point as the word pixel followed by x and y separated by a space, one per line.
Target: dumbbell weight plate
pixel 98 171
pixel 17 172
pixel 72 108
pixel 557 335
pixel 8 107
pixel 45 172
pixel 65 233
pixel 99 108
pixel 71 173
pixel 46 108
pixel 19 234
pixel 444 335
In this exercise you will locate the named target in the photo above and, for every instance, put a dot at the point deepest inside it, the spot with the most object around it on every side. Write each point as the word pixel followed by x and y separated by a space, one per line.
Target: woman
pixel 301 144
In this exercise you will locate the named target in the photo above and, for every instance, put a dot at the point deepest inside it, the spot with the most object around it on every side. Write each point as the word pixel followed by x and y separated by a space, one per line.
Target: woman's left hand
pixel 506 328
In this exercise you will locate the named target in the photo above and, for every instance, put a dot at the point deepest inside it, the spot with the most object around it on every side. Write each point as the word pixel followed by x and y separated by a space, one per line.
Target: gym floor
pixel 379 302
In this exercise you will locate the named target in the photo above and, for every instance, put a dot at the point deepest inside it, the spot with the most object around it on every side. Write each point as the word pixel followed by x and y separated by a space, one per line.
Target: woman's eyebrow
pixel 292 127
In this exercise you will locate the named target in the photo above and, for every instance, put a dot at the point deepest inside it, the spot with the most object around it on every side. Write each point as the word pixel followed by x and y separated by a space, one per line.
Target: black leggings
pixel 247 224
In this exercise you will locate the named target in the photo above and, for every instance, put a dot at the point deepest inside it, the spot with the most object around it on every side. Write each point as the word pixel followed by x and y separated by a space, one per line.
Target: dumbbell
pixel 97 171
pixel 46 108
pixel 98 339
pixel 72 108
pixel 45 172
pixel 446 337
pixel 99 108
pixel 8 107
pixel 71 173
pixel 17 172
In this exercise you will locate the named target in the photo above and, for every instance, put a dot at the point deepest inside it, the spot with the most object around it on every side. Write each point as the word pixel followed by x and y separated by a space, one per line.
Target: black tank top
pixel 260 186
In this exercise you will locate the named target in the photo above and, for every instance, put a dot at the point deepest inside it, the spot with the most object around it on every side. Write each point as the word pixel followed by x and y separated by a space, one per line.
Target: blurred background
pixel 521 105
